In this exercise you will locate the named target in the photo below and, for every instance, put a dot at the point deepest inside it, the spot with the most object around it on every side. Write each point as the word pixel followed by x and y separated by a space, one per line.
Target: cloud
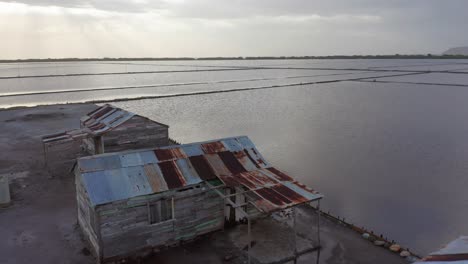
pixel 114 28
pixel 123 6
pixel 233 8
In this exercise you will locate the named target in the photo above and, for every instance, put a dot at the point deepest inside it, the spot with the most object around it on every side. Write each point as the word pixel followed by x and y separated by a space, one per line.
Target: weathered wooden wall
pixel 87 220
pixel 60 156
pixel 125 227
pixel 138 132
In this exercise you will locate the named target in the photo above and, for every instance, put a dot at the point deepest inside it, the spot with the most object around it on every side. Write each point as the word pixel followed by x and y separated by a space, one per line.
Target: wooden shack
pixel 105 129
pixel 134 201
pixel 62 149
pixel 113 129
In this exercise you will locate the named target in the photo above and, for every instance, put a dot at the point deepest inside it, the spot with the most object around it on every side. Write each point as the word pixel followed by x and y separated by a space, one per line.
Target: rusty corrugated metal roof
pixel 454 252
pixel 235 161
pixel 95 123
pixel 105 118
pixel 63 136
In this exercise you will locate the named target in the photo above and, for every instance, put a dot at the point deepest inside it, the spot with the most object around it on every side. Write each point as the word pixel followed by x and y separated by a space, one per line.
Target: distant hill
pixel 331 57
pixel 457 51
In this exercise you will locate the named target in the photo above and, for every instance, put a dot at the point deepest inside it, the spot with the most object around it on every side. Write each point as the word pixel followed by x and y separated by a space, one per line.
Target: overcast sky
pixel 198 28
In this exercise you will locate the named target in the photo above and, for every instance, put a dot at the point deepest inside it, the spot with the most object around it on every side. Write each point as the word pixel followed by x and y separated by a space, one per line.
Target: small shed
pixel 105 129
pixel 455 252
pixel 113 129
pixel 62 149
pixel 134 201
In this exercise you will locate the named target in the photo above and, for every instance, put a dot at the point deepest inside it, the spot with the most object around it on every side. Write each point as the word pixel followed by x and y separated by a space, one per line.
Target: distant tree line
pixel 395 56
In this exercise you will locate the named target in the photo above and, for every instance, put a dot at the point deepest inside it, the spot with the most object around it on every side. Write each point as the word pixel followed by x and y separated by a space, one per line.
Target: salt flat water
pixel 384 140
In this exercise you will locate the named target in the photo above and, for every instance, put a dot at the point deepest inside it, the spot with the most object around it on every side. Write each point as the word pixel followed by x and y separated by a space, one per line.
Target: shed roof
pixel 64 136
pixel 235 161
pixel 454 252
pixel 107 117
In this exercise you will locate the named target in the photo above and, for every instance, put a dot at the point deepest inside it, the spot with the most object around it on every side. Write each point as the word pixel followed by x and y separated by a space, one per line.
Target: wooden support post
pixel 45 154
pixel 99 145
pixel 249 239
pixel 295 234
pixel 236 205
pixel 224 213
pixel 173 214
pixel 318 222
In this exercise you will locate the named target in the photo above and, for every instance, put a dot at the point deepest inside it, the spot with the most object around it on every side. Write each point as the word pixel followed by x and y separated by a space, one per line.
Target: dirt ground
pixel 40 225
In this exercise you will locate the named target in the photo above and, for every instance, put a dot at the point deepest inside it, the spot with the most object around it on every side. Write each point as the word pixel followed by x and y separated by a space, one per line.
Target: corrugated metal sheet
pixel 169 154
pixel 95 123
pixel 154 175
pixel 171 174
pixel 109 185
pixel 105 118
pixel 67 135
pixel 202 167
pixel 455 252
pixel 235 161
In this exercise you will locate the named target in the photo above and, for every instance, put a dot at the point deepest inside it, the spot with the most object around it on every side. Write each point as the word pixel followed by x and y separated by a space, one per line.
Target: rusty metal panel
pixel 260 203
pixel 303 190
pixel 155 178
pixel 231 162
pixel 114 120
pixel 212 147
pixel 105 118
pixel 235 161
pixel 96 126
pixel 107 114
pixel 290 194
pixel 96 110
pixel 256 157
pixel 258 178
pixel 236 181
pixel 169 154
pixel 247 162
pixel 279 175
pixel 218 165
pixel 102 111
pixel 202 167
pixel 74 134
pixel 232 181
pixel 171 174
pixel 273 197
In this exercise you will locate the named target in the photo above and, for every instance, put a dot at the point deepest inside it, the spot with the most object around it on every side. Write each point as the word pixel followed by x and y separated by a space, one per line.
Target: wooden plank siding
pixel 60 156
pixel 137 132
pixel 125 228
pixel 86 215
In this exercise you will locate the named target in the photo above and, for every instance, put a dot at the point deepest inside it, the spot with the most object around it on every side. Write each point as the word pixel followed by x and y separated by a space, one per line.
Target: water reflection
pixel 391 158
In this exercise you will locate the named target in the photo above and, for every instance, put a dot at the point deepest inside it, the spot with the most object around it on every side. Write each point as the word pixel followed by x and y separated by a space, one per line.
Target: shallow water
pixel 391 157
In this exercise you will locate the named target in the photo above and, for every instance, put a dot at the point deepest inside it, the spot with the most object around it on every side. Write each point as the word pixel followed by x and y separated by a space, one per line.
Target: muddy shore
pixel 40 224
